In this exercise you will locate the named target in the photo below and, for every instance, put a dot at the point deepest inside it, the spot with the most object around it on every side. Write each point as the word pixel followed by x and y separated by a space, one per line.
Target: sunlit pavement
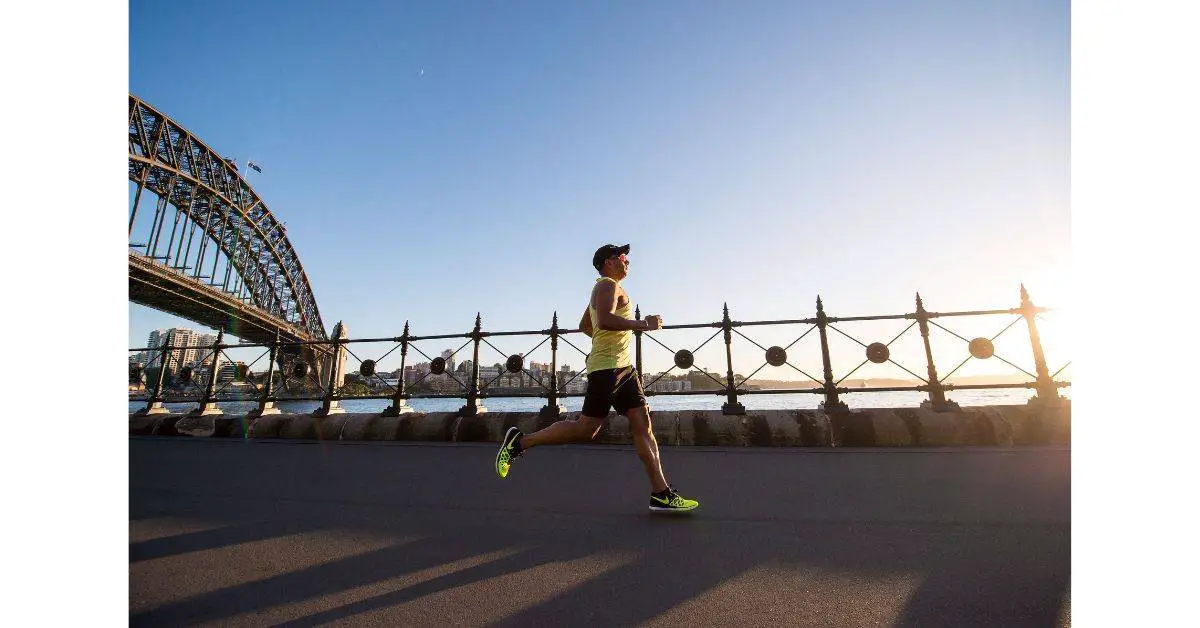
pixel 226 532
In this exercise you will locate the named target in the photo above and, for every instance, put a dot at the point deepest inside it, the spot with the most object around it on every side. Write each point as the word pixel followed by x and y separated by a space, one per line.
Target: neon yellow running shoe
pixel 670 501
pixel 506 456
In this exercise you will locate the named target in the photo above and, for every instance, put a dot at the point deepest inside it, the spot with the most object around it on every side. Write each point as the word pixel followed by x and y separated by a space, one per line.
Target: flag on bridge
pixel 251 164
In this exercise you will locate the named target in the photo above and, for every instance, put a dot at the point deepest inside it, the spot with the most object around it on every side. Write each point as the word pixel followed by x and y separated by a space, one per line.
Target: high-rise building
pixel 205 354
pixel 188 348
pixel 156 339
pixel 448 356
pixel 188 341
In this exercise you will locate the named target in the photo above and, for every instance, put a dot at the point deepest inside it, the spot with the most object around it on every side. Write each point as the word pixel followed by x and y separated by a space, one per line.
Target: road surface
pixel 255 533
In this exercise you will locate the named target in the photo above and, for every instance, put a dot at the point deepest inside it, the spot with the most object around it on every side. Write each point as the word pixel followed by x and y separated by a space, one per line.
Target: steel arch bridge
pixel 225 260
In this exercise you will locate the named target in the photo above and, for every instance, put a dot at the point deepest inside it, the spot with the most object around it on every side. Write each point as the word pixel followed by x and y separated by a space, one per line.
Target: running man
pixel 612 381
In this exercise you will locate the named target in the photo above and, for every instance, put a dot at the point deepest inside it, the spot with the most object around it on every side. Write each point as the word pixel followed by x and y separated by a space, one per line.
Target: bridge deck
pixel 270 532
pixel 156 286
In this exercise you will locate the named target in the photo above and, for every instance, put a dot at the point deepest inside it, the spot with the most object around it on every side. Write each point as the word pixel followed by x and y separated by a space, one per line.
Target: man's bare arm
pixel 604 299
pixel 585 324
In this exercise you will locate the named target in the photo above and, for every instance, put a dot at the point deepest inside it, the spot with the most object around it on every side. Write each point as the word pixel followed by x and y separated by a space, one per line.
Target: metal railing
pixel 296 381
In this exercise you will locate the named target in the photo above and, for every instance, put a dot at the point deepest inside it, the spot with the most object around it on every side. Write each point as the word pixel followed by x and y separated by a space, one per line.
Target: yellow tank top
pixel 610 349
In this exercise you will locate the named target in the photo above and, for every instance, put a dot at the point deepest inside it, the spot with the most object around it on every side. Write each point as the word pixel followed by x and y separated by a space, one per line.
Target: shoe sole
pixel 676 510
pixel 508 438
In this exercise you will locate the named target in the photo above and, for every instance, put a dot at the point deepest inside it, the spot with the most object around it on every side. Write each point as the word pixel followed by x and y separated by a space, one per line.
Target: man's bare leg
pixel 565 431
pixel 647 446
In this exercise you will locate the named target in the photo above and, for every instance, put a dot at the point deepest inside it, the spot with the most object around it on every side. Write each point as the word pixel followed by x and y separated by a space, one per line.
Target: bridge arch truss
pixel 220 226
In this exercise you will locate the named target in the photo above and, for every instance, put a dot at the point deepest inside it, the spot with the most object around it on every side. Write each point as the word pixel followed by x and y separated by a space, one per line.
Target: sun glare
pixel 1053 288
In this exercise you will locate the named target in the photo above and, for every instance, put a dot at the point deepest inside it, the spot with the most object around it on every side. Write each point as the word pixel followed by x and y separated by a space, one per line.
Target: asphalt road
pixel 226 532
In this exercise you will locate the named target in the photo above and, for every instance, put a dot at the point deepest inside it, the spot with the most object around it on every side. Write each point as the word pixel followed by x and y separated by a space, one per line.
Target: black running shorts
pixel 619 388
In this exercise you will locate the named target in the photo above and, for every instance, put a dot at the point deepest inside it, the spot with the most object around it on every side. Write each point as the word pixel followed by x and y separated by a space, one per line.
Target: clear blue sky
pixel 432 160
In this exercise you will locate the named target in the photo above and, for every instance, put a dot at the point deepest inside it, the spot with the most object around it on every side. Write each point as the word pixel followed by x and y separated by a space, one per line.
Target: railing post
pixel 473 407
pixel 552 409
pixel 154 405
pixel 400 399
pixel 937 393
pixel 209 407
pixel 831 402
pixel 731 405
pixel 1047 392
pixel 637 343
pixel 266 405
pixel 330 405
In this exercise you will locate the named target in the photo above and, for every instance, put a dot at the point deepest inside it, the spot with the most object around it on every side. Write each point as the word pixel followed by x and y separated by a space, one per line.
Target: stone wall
pixel 884 427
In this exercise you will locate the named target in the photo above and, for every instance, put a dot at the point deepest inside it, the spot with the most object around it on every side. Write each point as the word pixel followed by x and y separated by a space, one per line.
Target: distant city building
pixel 488 373
pixel 229 371
pixel 443 384
pixel 157 338
pixel 448 356
pixel 572 386
pixel 412 373
pixel 188 348
pixel 668 385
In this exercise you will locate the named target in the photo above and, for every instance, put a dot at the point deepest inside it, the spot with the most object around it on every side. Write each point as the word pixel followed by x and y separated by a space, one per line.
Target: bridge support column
pixel 337 374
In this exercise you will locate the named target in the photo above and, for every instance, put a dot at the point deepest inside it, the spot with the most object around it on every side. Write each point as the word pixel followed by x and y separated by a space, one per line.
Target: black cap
pixel 607 251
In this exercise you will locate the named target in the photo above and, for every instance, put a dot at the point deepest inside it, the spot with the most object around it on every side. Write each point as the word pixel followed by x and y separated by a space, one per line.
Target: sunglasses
pixel 622 257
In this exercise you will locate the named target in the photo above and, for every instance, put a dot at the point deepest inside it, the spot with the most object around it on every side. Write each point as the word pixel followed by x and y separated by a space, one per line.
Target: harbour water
pixel 658 402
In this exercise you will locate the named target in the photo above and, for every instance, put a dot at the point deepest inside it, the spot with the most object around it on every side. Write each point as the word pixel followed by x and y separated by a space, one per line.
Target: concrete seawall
pixel 884 427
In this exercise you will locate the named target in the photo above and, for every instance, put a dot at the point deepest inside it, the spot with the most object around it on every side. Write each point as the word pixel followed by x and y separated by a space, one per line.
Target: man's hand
pixel 654 322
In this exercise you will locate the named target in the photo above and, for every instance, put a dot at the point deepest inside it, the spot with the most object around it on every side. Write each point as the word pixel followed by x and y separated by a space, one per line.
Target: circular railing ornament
pixel 185 374
pixel 136 371
pixel 981 348
pixel 684 359
pixel 515 363
pixel 878 352
pixel 437 366
pixel 300 369
pixel 776 356
pixel 367 368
